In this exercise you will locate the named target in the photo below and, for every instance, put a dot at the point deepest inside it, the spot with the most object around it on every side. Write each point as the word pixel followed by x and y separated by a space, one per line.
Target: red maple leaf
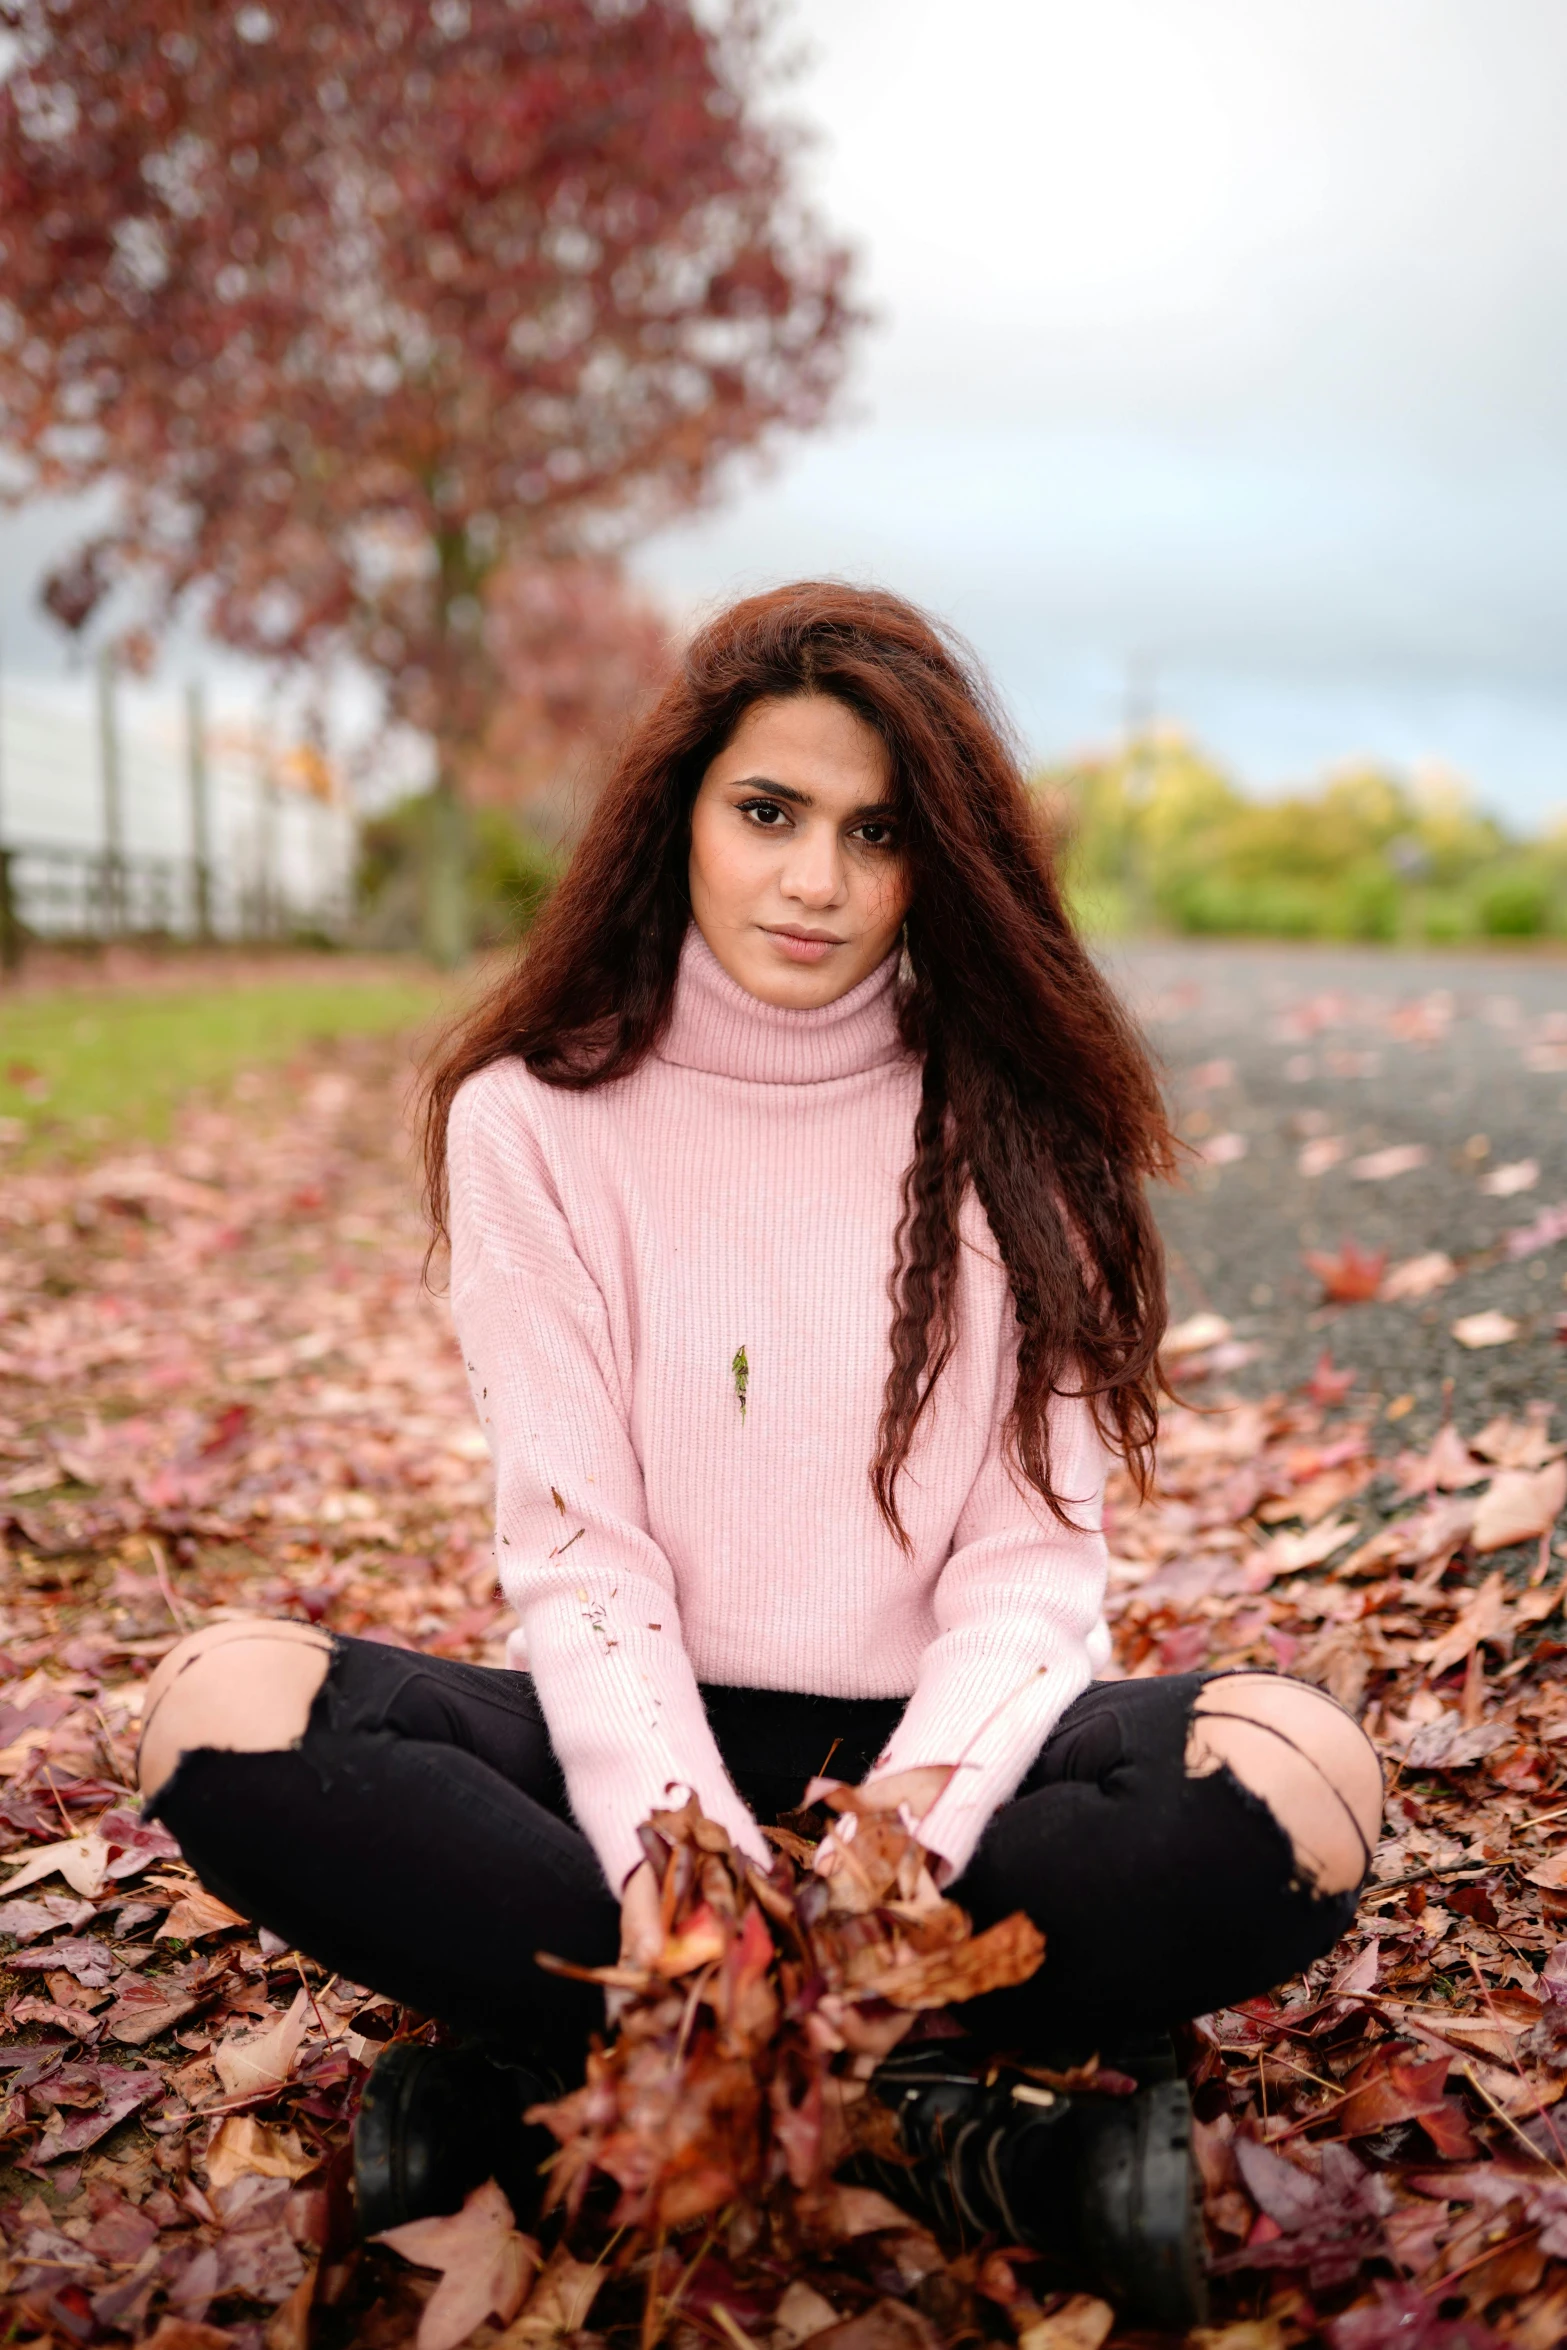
pixel 1351 1277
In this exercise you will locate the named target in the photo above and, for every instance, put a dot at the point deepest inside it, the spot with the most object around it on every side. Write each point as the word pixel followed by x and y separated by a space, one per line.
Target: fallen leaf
pixel 244 2146
pixel 912 1791
pixel 1391 2085
pixel 1519 1506
pixel 1447 1467
pixel 1351 1277
pixel 1452 1744
pixel 1329 1383
pixel 846 2211
pixel 25 1921
pixel 1291 1554
pixel 83 1861
pixel 801 2313
pixel 1418 1277
pixel 1081 2323
pixel 886 2325
pixel 196 1914
pixel 558 2305
pixel 288 2328
pixel 1247 2333
pixel 486 2266
pixel 265 2059
pixel 146 2007
pixel 104 2095
pixel 1380 1166
pixel 1549 1226
pixel 1484 1617
pixel 1488 1328
pixel 1324 2222
pixel 1402 2318
pixel 89 1961
pixel 1518 1444
pixel 1194 1336
pixel 1516 1175
pixel 701 1941
pixel 183 2333
pixel 1317 1156
pixel 1006 1953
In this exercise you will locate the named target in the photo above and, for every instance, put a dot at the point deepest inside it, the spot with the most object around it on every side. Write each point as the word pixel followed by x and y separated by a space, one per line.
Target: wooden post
pixel 200 808
pixel 113 804
pixel 267 836
pixel 10 916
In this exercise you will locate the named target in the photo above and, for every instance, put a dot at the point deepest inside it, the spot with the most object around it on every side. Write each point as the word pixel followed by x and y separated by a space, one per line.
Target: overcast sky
pixel 1219 343
pixel 1222 339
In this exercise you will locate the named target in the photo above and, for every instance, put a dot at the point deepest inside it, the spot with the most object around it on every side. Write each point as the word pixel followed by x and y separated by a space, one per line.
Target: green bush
pixel 1216 906
pixel 510 873
pixel 1159 834
pixel 1443 918
pixel 1369 903
pixel 1515 901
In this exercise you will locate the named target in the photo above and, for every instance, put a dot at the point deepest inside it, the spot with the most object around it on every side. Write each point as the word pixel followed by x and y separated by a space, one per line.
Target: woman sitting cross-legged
pixel 801 1263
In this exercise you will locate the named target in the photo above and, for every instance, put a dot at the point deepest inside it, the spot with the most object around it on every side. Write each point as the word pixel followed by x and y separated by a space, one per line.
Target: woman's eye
pixel 876 835
pixel 767 813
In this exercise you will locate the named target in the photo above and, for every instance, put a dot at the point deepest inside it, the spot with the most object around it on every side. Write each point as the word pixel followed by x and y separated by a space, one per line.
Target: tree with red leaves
pixel 356 309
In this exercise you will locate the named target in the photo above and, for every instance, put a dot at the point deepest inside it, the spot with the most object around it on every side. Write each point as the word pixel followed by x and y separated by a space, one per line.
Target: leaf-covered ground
pixel 222 1388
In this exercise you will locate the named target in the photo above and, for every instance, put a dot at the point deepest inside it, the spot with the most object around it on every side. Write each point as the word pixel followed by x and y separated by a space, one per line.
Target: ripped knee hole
pixel 223 1696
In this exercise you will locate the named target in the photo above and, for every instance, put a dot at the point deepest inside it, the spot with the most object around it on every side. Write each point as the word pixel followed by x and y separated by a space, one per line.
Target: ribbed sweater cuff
pixel 993 1742
pixel 632 1737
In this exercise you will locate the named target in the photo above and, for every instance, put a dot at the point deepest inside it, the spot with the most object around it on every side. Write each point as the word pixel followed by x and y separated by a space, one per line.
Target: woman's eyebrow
pixel 774 791
pixel 869 809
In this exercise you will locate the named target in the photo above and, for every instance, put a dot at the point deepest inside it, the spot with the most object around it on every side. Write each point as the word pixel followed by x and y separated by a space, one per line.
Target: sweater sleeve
pixel 594 1593
pixel 1017 1607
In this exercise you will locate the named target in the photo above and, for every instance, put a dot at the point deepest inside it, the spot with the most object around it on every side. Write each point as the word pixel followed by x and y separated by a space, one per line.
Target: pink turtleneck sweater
pixel 663 1518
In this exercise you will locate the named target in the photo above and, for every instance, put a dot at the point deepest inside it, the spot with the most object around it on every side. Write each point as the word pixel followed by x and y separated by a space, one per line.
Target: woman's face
pixel 798 879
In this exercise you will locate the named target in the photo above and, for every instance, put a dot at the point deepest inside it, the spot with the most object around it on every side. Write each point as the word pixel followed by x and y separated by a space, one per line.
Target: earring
pixel 905 961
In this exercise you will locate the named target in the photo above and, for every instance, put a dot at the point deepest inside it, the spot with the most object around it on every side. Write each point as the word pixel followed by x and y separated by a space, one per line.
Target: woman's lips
pixel 801 947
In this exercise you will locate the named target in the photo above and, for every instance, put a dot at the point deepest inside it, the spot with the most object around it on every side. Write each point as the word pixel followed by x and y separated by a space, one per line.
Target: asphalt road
pixel 1282 1059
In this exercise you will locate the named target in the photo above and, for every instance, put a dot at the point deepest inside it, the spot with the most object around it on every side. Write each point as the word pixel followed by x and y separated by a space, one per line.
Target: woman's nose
pixel 813 874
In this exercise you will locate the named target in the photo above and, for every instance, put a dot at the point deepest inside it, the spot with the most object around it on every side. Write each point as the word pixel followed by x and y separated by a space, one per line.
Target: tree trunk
pixel 446 913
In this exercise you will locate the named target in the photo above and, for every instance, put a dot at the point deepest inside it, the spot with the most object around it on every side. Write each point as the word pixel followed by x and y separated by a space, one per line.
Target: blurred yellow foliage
pixel 1156 834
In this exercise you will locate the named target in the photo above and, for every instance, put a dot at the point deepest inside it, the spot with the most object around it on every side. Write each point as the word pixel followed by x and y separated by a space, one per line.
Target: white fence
pixel 127 809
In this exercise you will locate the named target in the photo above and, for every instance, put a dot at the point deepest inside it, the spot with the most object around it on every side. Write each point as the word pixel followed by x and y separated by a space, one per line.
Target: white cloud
pixel 1232 333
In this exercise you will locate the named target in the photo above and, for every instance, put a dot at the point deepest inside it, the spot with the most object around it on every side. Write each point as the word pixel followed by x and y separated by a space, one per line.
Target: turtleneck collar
pixel 716 1026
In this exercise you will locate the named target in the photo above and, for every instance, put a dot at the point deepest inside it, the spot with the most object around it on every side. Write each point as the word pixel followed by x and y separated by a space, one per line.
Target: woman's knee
pixel 1305 1758
pixel 246 1687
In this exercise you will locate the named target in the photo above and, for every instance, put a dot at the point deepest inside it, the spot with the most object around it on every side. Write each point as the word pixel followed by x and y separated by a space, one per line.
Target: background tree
pixel 577 652
pixel 357 308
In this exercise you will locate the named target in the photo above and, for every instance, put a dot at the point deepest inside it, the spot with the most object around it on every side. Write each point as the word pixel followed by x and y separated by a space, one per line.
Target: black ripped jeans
pixel 418 1840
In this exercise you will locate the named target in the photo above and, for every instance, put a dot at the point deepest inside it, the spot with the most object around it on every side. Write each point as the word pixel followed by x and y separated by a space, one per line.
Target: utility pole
pixel 113 804
pixel 200 808
pixel 1140 710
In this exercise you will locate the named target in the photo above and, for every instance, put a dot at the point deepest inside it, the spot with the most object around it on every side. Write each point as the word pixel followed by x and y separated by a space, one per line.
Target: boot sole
pixel 1139 2213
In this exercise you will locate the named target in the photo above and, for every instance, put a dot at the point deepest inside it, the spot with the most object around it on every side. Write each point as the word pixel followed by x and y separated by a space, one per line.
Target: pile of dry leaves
pixel 697 2163
pixel 225 1390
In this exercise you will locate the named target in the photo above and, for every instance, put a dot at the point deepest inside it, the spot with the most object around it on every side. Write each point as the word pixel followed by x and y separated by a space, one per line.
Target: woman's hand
pixel 641 1920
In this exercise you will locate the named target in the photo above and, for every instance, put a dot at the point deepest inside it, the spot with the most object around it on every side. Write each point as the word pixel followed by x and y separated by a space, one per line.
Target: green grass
pixel 78 1070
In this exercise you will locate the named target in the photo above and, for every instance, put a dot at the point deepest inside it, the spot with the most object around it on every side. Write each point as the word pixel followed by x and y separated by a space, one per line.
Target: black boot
pixel 1104 2184
pixel 434 2123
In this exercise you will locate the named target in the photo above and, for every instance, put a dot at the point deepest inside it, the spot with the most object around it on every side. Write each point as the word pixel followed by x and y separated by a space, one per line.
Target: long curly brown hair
pixel 1036 1089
